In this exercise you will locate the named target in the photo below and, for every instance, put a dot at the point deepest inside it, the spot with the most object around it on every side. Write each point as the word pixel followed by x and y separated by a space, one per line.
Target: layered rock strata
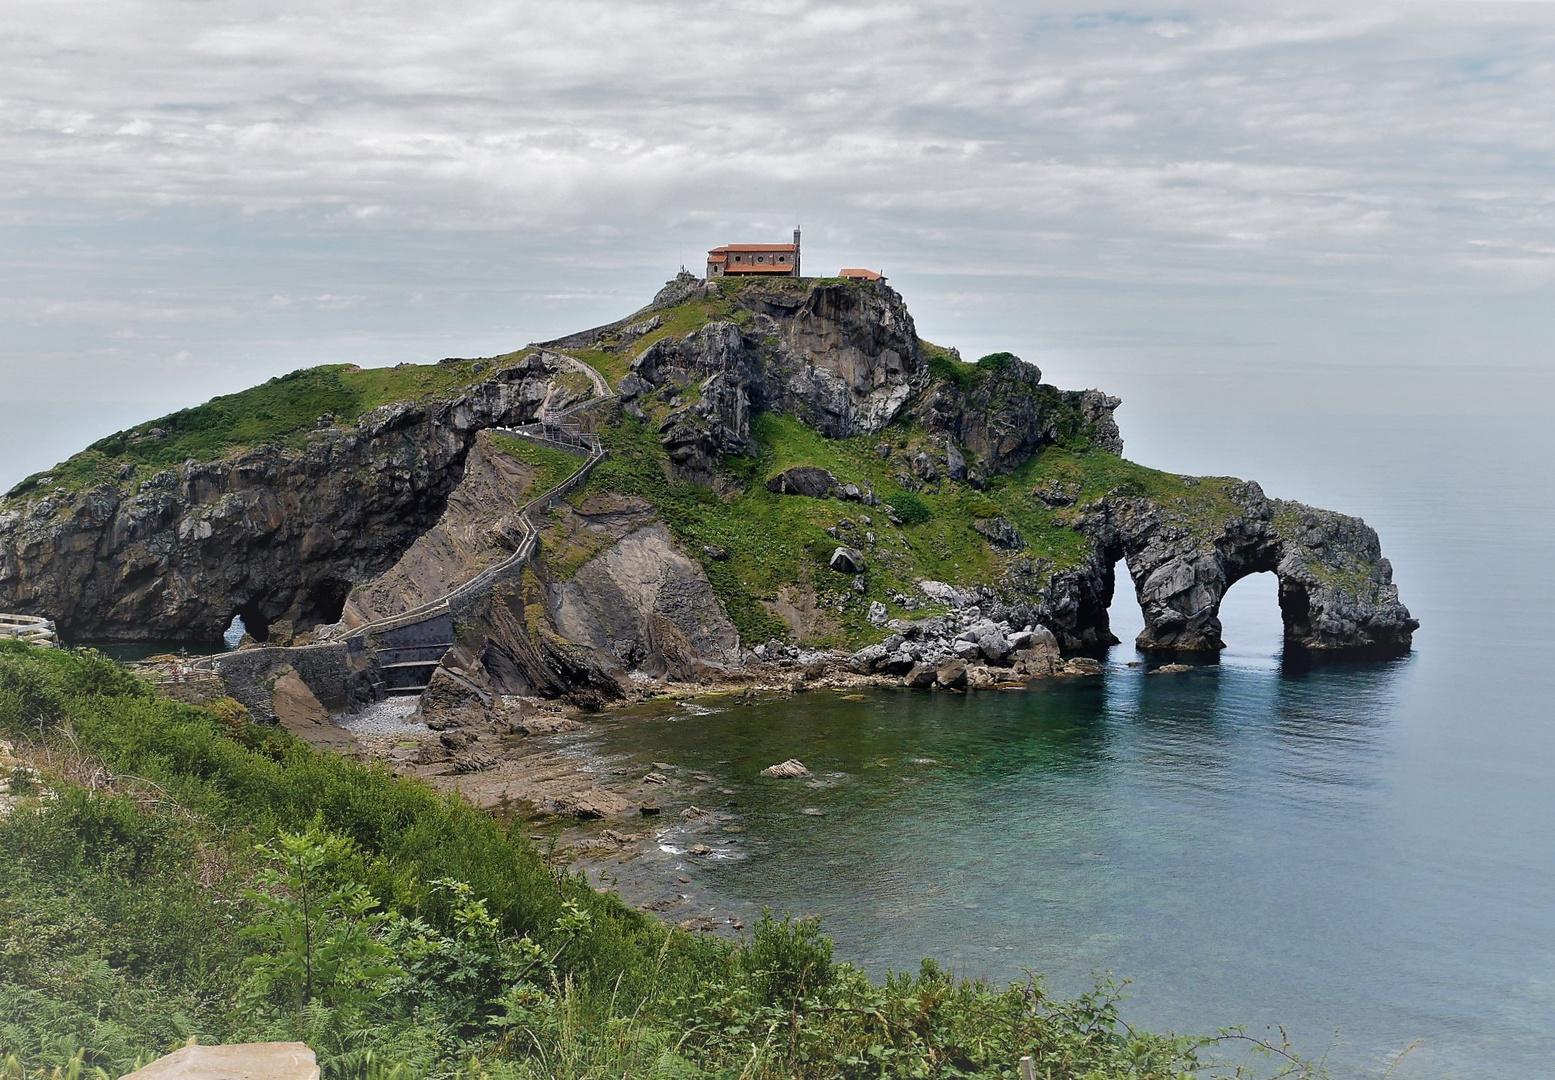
pixel 273 533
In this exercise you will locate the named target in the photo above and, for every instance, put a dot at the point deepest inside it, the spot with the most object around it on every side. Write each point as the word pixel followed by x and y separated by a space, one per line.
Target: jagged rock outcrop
pixel 845 359
pixel 1007 413
pixel 643 605
pixel 840 357
pixel 1336 589
pixel 274 533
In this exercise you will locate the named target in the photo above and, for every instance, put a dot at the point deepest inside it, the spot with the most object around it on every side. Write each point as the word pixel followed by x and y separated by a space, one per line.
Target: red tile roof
pixel 856 272
pixel 754 247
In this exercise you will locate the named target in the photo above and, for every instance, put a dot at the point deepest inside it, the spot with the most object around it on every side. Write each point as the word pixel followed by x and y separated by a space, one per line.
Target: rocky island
pixel 744 477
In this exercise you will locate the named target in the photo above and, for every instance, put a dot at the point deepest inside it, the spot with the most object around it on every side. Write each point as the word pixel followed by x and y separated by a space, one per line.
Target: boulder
pixel 898 663
pixel 979 677
pixel 792 769
pixel 846 560
pixel 248 1061
pixel 865 659
pixel 994 645
pixel 951 675
pixel 808 480
pixel 942 593
pixel 473 759
pixel 955 461
pixel 1000 533
pixel 921 677
pixel 1043 638
pixel 877 613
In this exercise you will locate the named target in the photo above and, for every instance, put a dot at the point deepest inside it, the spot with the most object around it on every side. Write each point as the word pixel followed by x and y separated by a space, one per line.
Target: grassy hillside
pixel 764 543
pixel 283 410
pixel 152 875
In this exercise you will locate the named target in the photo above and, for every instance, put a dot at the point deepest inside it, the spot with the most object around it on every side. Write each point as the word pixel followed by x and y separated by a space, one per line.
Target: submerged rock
pixel 792 769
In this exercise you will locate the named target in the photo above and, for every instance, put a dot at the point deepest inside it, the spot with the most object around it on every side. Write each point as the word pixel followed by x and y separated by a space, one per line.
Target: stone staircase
pixel 408 646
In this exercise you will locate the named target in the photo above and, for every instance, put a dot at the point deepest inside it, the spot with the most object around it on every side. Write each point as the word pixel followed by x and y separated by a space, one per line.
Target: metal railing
pixel 33 629
pixel 553 431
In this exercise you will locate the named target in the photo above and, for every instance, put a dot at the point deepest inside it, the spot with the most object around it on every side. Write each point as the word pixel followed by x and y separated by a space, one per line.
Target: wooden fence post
pixel 1028 1068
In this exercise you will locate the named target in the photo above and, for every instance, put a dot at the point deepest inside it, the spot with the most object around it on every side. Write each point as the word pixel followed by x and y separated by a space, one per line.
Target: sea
pixel 1360 856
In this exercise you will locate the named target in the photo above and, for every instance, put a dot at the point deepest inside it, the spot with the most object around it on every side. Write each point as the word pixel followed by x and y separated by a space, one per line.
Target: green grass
pixel 777 541
pixel 551 465
pixel 944 365
pixel 134 917
pixel 283 410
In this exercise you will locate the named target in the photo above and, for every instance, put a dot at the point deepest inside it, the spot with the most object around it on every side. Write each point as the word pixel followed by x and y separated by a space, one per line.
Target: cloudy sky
pixel 1215 212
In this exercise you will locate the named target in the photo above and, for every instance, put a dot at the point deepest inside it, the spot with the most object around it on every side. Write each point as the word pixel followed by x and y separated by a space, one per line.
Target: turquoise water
pixel 1359 852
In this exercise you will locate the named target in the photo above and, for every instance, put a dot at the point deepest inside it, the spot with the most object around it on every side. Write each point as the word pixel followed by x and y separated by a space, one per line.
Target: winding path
pixel 412 657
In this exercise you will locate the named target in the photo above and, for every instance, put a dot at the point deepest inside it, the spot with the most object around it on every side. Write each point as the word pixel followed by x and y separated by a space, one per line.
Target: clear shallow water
pixel 1362 849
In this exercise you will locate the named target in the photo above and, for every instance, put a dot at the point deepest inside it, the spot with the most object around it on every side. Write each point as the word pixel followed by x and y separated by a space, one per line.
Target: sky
pixel 1240 221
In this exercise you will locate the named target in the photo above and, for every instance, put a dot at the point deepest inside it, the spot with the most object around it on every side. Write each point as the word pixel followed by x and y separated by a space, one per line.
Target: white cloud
pixel 247 174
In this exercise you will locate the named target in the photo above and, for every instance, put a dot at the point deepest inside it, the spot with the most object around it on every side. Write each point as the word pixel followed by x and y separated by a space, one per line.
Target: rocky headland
pixel 784 486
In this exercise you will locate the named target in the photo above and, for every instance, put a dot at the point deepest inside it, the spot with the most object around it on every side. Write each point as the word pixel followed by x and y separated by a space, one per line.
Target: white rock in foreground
pixel 792 769
pixel 240 1061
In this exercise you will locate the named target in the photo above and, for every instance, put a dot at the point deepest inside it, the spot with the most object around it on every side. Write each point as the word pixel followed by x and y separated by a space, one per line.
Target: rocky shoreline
pixel 647 834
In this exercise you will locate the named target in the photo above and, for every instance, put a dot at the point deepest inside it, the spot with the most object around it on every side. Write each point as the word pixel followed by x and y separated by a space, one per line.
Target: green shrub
pixel 911 509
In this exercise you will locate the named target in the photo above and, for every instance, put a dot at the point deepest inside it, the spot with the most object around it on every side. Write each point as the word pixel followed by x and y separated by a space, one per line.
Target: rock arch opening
pixel 1251 620
pixel 1125 619
pixel 254 621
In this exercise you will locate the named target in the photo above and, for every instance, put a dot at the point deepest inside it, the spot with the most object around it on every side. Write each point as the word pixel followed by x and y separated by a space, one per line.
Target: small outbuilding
pixel 854 273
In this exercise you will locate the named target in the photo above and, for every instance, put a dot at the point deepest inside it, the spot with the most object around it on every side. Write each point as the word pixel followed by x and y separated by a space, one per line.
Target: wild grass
pixel 283 410
pixel 551 465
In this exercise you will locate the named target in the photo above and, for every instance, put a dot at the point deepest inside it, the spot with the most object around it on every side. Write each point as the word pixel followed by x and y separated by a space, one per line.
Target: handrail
pixel 531 536
pixel 531 540
pixel 33 629
pixel 527 546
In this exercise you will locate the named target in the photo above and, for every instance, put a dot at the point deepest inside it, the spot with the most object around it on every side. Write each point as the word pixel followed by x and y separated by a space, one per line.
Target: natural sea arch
pixel 1249 614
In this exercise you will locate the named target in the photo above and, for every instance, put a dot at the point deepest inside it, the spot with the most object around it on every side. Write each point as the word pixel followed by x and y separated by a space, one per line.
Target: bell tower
pixel 797 271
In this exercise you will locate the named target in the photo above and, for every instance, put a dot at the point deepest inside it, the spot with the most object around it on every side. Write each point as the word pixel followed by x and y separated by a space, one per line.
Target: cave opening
pixel 327 600
pixel 248 618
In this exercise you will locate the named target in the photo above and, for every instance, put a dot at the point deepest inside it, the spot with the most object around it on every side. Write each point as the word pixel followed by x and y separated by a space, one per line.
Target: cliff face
pixel 845 360
pixel 276 533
